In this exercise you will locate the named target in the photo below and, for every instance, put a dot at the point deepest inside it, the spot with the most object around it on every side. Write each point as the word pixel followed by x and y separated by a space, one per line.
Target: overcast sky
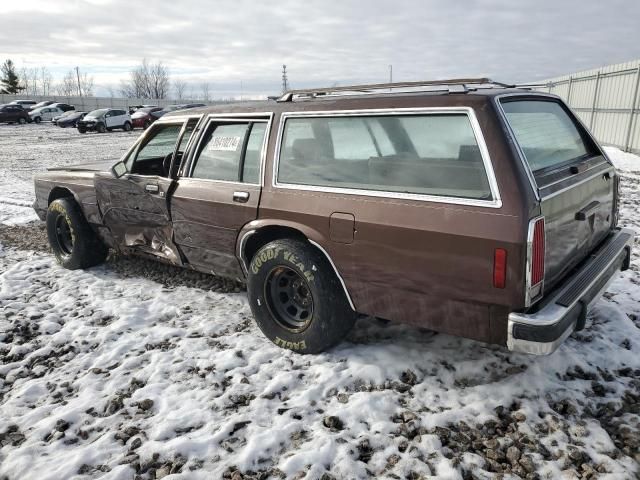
pixel 323 42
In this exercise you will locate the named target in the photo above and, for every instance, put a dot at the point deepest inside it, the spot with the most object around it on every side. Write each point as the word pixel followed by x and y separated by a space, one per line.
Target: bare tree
pixel 147 81
pixel 45 81
pixel 29 80
pixel 86 85
pixel 68 85
pixel 204 89
pixel 179 87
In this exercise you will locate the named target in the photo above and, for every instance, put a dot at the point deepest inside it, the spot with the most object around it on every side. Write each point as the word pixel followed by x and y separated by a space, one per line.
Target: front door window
pixel 153 156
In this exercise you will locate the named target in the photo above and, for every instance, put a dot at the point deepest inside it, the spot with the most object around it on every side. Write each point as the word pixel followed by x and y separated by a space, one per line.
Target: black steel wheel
pixel 289 298
pixel 63 236
pixel 72 240
pixel 296 298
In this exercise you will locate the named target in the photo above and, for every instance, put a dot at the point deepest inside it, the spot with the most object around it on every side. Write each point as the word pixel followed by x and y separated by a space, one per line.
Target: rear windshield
pixel 545 132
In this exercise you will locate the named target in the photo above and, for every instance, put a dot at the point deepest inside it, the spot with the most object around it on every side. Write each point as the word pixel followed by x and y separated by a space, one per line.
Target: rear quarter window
pixel 434 154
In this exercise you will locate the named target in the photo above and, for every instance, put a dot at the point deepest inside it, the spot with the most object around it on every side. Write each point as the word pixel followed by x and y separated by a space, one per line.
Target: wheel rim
pixel 289 299
pixel 63 235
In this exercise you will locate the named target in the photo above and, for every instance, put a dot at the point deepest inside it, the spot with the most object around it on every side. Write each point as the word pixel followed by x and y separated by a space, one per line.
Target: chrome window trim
pixel 496 201
pixel 255 117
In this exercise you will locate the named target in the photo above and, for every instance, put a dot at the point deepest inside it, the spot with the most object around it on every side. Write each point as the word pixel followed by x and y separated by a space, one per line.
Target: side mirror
pixel 119 169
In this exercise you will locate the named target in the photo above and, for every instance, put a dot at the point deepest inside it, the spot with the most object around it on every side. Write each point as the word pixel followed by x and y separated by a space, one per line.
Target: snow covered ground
pixel 129 370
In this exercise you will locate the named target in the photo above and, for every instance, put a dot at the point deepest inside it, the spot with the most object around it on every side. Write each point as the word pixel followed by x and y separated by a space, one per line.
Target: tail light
pixel 500 268
pixel 537 253
pixel 535 260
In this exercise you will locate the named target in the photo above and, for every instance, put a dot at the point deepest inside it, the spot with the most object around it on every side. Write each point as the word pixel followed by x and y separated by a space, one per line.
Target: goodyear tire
pixel 296 298
pixel 72 240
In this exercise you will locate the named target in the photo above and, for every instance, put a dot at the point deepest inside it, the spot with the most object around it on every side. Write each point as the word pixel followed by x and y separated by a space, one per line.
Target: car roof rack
pixel 454 85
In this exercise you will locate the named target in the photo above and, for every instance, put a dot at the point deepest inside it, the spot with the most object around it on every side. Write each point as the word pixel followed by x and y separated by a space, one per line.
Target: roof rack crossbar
pixel 365 88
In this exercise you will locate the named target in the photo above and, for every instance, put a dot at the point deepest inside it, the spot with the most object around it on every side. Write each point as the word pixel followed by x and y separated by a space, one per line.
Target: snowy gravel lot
pixel 137 370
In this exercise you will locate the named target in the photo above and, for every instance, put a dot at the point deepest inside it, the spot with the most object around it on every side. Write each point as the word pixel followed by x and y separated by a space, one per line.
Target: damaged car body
pixel 463 206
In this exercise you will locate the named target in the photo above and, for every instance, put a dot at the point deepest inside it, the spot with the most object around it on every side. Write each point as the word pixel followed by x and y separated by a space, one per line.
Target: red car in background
pixel 143 117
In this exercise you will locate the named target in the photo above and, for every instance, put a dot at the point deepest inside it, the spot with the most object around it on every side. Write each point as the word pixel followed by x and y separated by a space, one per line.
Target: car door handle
pixel 151 188
pixel 587 211
pixel 240 197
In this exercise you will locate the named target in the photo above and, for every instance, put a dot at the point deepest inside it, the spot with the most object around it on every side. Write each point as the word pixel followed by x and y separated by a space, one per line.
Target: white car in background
pixel 44 114
pixel 105 119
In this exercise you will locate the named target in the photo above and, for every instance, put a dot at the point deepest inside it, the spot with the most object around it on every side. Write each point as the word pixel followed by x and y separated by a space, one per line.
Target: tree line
pixel 148 80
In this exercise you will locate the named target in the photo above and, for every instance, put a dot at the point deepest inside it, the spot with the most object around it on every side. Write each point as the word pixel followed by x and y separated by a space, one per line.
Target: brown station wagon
pixel 465 206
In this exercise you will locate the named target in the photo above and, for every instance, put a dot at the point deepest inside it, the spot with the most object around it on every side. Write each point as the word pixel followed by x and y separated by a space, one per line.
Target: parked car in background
pixel 44 114
pixel 143 117
pixel 26 104
pixel 135 108
pixel 105 119
pixel 477 210
pixel 13 114
pixel 65 107
pixel 69 119
pixel 46 103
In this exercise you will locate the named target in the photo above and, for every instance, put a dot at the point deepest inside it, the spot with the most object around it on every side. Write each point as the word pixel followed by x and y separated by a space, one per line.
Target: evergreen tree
pixel 10 80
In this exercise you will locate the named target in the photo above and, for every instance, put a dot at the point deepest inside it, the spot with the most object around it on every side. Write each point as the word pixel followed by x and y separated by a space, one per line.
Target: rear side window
pixel 545 132
pixel 432 154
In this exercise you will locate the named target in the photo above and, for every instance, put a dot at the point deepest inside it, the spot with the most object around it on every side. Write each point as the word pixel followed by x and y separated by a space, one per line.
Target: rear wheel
pixel 296 298
pixel 72 240
pixel 82 130
pixel 22 121
pixel 127 127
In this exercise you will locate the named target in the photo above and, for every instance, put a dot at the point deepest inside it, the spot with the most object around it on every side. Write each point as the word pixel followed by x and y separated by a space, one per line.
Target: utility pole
pixel 285 80
pixel 78 77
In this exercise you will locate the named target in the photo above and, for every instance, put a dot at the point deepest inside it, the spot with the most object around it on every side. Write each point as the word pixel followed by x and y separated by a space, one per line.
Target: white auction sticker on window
pixel 224 143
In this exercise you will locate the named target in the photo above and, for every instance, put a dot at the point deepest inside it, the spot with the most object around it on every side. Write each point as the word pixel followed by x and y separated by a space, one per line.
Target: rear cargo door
pixel 575 181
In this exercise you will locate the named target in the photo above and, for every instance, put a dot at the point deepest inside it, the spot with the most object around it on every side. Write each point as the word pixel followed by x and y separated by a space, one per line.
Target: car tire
pixel 72 240
pixel 126 127
pixel 82 130
pixel 22 121
pixel 101 128
pixel 296 297
pixel 37 120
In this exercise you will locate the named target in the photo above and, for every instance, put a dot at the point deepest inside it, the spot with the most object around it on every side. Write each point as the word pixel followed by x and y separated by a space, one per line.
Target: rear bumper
pixel 564 310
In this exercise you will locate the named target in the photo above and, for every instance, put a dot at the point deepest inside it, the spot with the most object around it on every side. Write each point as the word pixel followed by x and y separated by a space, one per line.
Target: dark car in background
pixel 69 119
pixel 65 107
pixel 143 117
pixel 11 113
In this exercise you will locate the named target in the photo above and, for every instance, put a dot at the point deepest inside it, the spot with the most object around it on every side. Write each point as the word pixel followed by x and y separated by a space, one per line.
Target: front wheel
pixel 72 240
pixel 296 298
pixel 101 128
pixel 82 130
pixel 37 119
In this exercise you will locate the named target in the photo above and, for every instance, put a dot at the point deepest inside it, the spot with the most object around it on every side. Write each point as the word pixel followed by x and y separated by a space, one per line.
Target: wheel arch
pixel 257 234
pixel 61 192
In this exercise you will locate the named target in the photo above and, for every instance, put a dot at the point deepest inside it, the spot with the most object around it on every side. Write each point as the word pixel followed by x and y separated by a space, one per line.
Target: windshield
pixel 545 132
pixel 97 113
